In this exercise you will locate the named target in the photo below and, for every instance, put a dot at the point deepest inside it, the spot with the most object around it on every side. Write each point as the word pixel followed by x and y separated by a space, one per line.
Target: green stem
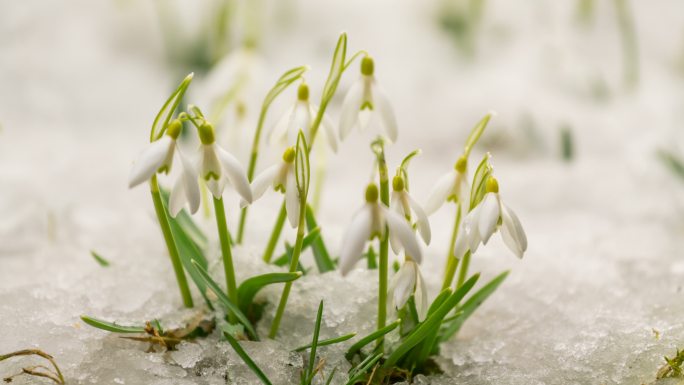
pixel 452 260
pixel 251 169
pixel 384 249
pixel 275 234
pixel 227 253
pixel 463 273
pixel 630 51
pixel 301 230
pixel 170 243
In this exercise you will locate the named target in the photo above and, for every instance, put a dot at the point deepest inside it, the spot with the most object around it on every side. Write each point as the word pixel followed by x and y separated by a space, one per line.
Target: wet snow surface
pixel 596 300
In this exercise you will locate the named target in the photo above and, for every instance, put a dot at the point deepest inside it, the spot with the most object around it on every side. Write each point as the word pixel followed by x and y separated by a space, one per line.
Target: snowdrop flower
pixel 282 178
pixel 218 166
pixel 300 117
pixel 158 158
pixel 408 281
pixel 366 96
pixel 483 221
pixel 403 204
pixel 453 186
pixel 370 221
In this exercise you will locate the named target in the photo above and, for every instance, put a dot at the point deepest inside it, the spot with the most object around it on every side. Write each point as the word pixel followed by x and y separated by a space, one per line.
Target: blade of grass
pixel 189 227
pixel 357 372
pixel 320 252
pixel 225 301
pixel 329 341
pixel 111 326
pixel 247 359
pixel 314 343
pixel 371 338
pixel 103 262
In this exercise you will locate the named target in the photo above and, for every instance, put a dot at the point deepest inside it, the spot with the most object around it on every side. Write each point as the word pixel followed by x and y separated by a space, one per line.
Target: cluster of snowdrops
pixel 388 214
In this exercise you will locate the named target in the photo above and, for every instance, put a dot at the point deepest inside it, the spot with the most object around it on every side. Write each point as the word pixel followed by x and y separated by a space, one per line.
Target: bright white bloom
pixel 300 117
pixel 218 166
pixel 408 281
pixel 158 157
pixel 488 216
pixel 452 186
pixel 366 96
pixel 282 178
pixel 403 204
pixel 370 221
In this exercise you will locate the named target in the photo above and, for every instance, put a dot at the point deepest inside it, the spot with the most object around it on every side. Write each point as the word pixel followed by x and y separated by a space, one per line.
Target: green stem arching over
pixel 301 230
pixel 170 243
pixel 226 253
pixel 452 260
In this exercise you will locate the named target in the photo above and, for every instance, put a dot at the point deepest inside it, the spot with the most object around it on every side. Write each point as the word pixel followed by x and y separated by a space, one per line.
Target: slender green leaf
pixel 482 173
pixel 331 376
pixel 329 341
pixel 247 359
pixel 111 326
pixel 469 307
pixel 671 161
pixel 314 343
pixel 361 369
pixel 225 301
pixel 370 338
pixel 284 259
pixel 336 69
pixel 320 252
pixel 475 134
pixel 431 322
pixel 372 258
pixel 103 262
pixel 251 286
pixel 302 167
pixel 281 85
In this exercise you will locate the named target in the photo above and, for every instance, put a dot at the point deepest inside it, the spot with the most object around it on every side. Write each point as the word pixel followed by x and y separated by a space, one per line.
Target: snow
pixel 597 299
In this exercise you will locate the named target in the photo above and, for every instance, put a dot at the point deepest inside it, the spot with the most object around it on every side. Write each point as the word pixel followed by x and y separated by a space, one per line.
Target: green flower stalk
pixel 302 173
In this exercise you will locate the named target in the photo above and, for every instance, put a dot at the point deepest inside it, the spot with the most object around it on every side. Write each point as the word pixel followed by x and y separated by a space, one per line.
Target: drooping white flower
pixel 366 96
pixel 185 189
pixel 281 178
pixel 488 216
pixel 157 157
pixel 406 282
pixel 370 221
pixel 404 205
pixel 218 166
pixel 300 117
pixel 453 186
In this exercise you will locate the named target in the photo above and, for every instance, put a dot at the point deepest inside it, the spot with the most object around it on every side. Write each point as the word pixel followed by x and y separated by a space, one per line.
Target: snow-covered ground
pixel 598 298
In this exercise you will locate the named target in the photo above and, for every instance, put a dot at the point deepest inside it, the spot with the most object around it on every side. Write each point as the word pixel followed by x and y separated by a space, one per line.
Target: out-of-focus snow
pixel 597 298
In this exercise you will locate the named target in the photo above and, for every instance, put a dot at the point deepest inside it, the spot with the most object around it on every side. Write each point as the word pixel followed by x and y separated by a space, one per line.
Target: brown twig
pixel 34 370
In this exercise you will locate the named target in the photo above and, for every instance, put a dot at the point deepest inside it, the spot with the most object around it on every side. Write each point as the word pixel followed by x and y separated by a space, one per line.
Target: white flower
pixel 300 117
pixel 282 178
pixel 403 204
pixel 185 189
pixel 408 281
pixel 452 186
pixel 366 94
pixel 157 157
pixel 370 221
pixel 488 216
pixel 218 166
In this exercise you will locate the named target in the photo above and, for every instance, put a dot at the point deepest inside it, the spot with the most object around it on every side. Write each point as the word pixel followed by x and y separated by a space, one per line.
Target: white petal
pixel 210 163
pixel 384 108
pixel 292 200
pixel 421 220
pixel 512 232
pixel 350 108
pixel 216 187
pixel 470 230
pixel 488 217
pixel 301 120
pixel 264 180
pixel 404 283
pixel 440 192
pixel 279 131
pixel 150 160
pixel 461 246
pixel 396 206
pixel 420 296
pixel 177 198
pixel 355 239
pixel 463 190
pixel 401 228
pixel 235 173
